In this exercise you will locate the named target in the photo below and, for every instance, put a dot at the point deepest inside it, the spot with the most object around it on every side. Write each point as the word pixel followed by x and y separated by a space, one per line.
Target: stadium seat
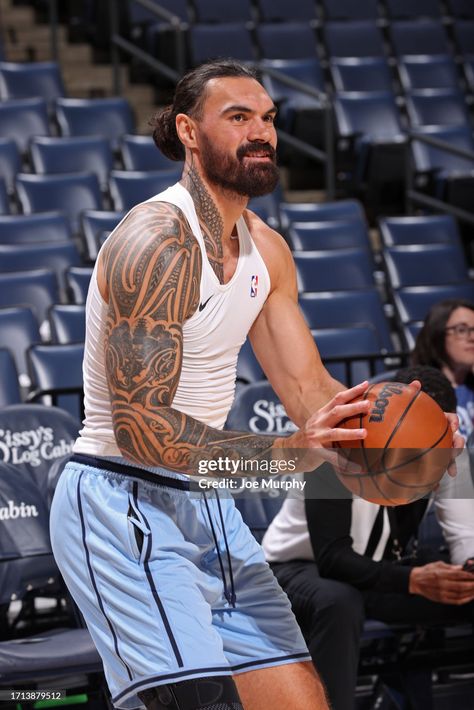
pixel 425 265
pixel 399 9
pixel 461 8
pixel 217 11
pixel 34 228
pixel 353 39
pixel 256 408
pixel 94 224
pixel 267 208
pixel 209 41
pixel 57 256
pixel 286 40
pixel 129 188
pixel 426 229
pixel 38 289
pixel 141 153
pixel 436 107
pixel 346 342
pixel 71 193
pixel 332 309
pixel 464 36
pixel 349 10
pixel 282 11
pixel 413 303
pixel 19 330
pixel 337 234
pixel 322 211
pixel 111 118
pixel 9 384
pixel 138 14
pixel 361 74
pixel 468 67
pixel 410 333
pixel 90 154
pixel 10 162
pixel 335 270
pixel 21 119
pixel 248 367
pixel 4 199
pixel 68 323
pixel 78 279
pixel 419 37
pixel 373 115
pixel 56 372
pixel 428 72
pixel 21 80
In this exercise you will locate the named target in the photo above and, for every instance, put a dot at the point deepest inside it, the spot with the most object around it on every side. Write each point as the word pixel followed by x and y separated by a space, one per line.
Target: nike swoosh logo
pixel 203 305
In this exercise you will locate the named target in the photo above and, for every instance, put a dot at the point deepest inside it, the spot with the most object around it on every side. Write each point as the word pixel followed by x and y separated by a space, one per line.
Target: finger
pixel 459 443
pixel 330 435
pixel 340 463
pixel 453 421
pixel 416 384
pixel 345 396
pixel 344 411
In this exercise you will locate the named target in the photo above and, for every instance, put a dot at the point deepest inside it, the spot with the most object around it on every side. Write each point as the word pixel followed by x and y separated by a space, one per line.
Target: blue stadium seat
pixel 94 224
pixel 373 115
pixel 9 385
pixel 57 256
pixel 256 408
pixel 344 342
pixel 217 11
pixel 413 302
pixel 69 193
pixel 436 107
pixel 361 74
pixel 425 265
pixel 78 279
pixel 468 67
pixel 138 14
pixel 337 234
pixel 347 308
pixel 461 8
pixel 111 118
pixel 248 367
pixel 354 39
pixel 19 330
pixel 54 368
pixel 141 153
pixel 21 119
pixel 21 80
pixel 286 40
pixel 267 208
pixel 425 229
pixel 129 188
pixel 90 154
pixel 4 199
pixel 34 228
pixel 283 11
pixel 399 9
pixel 322 211
pixel 209 41
pixel 38 289
pixel 336 270
pixel 420 37
pixel 349 10
pixel 10 162
pixel 428 72
pixel 68 323
pixel 410 333
pixel 464 36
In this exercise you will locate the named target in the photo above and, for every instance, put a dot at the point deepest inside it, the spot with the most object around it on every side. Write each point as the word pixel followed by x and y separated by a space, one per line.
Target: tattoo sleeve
pixel 153 268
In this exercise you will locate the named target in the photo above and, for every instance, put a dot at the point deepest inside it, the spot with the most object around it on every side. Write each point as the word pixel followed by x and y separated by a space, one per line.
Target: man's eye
pixel 270 118
pixel 238 117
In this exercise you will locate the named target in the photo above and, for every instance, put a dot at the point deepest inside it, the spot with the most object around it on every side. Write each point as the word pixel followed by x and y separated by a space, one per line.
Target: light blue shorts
pixel 171 583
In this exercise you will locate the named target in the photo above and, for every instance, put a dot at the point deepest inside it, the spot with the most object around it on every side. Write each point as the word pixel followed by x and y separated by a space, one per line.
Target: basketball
pixel 407 448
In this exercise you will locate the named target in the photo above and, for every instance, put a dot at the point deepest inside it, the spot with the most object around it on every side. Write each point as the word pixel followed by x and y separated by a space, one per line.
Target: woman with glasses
pixel 446 342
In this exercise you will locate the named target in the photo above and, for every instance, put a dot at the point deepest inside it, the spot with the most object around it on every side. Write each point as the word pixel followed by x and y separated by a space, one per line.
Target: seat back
pixel 361 74
pixel 353 39
pixel 464 36
pixel 307 70
pixel 9 385
pixel 10 162
pixel 57 256
pixel 27 79
pixel 33 228
pixel 94 223
pixel 129 188
pixel 322 211
pixel 346 342
pixel 141 153
pixel 423 229
pixel 436 107
pixel 208 41
pixel 286 40
pixel 4 200
pixel 412 303
pixel 398 9
pixel 21 119
pixel 374 115
pixel 420 37
pixel 328 235
pixel 18 331
pixel 427 158
pixel 75 154
pixel 428 72
pixel 425 265
pixel 68 323
pixel 78 280
pixel 111 118
pixel 53 369
pixel 282 11
pixel 217 11
pixel 339 269
pixel 347 10
pixel 37 288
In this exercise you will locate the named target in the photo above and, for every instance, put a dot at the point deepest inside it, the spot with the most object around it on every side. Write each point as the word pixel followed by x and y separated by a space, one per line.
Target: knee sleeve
pixel 216 693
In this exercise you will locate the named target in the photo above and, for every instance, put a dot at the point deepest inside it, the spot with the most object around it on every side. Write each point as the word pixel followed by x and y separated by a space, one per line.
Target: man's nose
pixel 260 130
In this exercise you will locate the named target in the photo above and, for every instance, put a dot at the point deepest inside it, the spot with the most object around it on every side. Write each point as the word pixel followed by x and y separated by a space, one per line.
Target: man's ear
pixel 186 130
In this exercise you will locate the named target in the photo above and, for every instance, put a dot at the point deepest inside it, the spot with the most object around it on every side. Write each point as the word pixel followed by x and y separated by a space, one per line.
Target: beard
pixel 235 174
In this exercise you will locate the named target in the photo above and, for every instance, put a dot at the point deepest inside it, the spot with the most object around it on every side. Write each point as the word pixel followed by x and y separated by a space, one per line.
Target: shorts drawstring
pixel 229 595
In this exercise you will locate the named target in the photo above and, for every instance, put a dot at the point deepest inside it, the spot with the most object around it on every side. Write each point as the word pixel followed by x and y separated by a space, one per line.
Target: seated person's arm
pixel 456 517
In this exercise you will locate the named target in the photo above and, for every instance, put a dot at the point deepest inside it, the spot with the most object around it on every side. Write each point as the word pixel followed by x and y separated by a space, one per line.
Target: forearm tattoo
pixel 210 220
pixel 153 268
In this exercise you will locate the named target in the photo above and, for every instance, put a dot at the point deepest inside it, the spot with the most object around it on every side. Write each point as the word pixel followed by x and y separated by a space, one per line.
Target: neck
pixel 456 375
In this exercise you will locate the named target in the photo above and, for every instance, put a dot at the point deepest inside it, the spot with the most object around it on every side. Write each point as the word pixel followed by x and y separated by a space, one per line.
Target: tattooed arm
pixel 151 268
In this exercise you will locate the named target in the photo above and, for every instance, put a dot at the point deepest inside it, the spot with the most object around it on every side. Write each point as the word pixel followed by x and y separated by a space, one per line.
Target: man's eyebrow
pixel 246 109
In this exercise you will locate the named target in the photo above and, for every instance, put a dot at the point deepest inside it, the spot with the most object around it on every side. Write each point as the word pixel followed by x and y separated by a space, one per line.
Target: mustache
pixel 261 148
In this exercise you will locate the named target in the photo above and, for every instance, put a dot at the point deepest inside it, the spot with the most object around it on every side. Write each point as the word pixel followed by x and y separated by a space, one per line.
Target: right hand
pixel 441 582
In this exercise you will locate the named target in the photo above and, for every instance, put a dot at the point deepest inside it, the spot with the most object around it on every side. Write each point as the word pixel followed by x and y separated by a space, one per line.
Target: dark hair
pixel 189 97
pixel 430 346
pixel 433 382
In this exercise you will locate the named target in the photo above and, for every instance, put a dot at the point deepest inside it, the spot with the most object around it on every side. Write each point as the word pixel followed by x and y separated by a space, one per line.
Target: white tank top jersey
pixel 212 338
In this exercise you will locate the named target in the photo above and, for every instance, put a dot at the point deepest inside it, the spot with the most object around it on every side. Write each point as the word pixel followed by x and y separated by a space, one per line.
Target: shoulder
pixel 273 248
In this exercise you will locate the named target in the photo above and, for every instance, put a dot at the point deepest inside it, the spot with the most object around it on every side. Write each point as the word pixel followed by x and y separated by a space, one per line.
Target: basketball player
pixel 175 591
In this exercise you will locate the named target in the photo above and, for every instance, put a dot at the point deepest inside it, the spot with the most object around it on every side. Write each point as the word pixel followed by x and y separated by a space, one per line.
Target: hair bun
pixel 164 133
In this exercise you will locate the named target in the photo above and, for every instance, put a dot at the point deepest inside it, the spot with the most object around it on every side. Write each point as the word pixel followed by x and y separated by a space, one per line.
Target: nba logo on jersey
pixel 253 286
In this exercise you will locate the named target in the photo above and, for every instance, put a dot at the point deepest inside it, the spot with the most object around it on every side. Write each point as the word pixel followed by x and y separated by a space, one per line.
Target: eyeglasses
pixel 461 330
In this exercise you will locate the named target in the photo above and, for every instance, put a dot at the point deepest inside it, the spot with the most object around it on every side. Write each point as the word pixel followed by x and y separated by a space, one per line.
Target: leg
pixel 294 686
pixel 331 615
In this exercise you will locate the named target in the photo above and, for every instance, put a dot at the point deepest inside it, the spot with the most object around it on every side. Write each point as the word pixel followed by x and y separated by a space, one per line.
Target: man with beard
pixel 175 591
